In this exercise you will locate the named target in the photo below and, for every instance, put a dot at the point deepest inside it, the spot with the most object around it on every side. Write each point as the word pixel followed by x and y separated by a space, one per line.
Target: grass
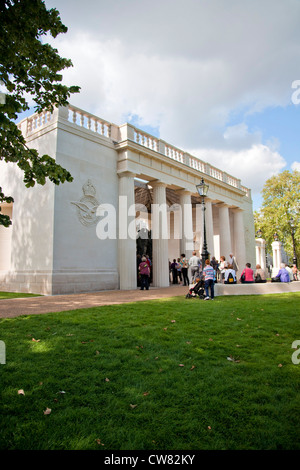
pixel 154 376
pixel 13 295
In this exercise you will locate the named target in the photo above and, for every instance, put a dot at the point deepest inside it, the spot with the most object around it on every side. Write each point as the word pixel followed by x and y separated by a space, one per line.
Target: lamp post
pixel 202 189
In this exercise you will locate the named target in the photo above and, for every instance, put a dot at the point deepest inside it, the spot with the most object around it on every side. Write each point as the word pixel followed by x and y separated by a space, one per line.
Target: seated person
pixel 247 275
pixel 283 274
pixel 230 275
pixel 260 275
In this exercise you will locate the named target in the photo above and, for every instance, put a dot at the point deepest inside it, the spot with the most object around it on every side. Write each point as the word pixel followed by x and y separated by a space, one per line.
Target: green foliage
pixel 29 68
pixel 170 374
pixel 281 207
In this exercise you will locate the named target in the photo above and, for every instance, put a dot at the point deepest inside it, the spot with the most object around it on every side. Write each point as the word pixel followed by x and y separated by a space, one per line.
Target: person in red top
pixel 145 273
pixel 248 275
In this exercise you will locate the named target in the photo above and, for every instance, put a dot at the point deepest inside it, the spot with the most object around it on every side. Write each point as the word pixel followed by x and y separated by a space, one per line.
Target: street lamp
pixel 202 189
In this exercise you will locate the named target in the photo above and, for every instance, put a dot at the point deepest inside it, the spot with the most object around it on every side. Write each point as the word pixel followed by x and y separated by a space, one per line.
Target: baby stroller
pixel 196 290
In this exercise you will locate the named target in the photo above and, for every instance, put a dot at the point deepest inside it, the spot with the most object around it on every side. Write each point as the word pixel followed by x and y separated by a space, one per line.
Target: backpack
pixel 230 278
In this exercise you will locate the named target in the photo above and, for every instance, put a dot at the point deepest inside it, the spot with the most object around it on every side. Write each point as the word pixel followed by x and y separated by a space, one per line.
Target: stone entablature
pixel 128 133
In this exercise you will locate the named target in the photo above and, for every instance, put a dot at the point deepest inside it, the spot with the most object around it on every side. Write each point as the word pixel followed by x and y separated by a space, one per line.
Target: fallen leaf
pixel 145 394
pixel 193 367
pixel 210 339
pixel 36 340
pixel 106 380
pixel 99 442
pixel 47 411
pixel 238 318
pixel 181 365
pixel 188 342
pixel 21 392
pixel 166 328
pixel 133 406
pixel 209 427
pixel 279 365
pixel 230 358
pixel 173 321
pixel 61 392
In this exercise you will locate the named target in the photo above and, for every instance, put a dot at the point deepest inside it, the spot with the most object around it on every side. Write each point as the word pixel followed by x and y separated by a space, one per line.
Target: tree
pixel 280 212
pixel 29 68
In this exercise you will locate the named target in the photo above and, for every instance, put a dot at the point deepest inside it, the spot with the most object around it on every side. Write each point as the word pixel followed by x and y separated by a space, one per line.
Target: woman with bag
pixel 260 275
pixel 247 275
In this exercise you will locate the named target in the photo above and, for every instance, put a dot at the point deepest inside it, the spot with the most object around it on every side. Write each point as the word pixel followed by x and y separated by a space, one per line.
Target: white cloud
pixel 295 166
pixel 186 67
pixel 253 165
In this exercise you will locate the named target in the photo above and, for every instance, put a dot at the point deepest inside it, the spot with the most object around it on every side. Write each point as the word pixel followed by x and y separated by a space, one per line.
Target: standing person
pixel 179 271
pixel 289 270
pixel 184 269
pixel 145 273
pixel 295 272
pixel 248 273
pixel 174 271
pixel 208 273
pixel 232 260
pixel 195 264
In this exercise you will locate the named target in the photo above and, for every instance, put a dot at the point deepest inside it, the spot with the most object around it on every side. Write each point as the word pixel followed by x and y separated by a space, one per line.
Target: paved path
pixel 10 308
pixel 57 303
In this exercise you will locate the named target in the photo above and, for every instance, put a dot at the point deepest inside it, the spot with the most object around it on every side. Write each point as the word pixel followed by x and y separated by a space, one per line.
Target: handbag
pixel 243 277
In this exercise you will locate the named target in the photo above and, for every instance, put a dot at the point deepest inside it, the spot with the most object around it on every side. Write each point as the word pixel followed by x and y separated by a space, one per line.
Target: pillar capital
pixel 157 184
pixel 127 173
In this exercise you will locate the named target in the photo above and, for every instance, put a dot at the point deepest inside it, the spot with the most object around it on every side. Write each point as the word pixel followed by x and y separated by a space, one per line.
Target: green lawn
pixel 13 295
pixel 169 374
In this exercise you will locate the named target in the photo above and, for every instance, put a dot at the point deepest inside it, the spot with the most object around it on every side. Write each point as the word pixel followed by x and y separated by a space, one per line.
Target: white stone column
pixel 127 243
pixel 239 238
pixel 261 252
pixel 186 242
pixel 224 229
pixel 276 247
pixel 209 228
pixel 160 236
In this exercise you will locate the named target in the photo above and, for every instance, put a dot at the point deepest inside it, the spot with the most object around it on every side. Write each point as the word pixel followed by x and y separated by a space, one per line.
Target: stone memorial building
pixel 82 236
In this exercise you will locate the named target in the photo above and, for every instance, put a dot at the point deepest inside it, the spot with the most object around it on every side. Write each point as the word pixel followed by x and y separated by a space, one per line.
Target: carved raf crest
pixel 87 206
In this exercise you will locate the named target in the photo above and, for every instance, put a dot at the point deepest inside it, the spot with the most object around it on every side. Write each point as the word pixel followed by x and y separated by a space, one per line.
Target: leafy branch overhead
pixel 32 69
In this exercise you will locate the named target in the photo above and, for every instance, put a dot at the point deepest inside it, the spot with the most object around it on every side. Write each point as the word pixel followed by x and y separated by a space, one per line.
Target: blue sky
pixel 213 78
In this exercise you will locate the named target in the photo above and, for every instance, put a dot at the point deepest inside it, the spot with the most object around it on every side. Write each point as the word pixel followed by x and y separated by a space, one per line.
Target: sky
pixel 219 79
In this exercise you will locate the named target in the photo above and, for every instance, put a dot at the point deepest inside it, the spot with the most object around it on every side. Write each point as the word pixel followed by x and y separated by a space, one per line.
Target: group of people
pixel 213 271
pixel 179 270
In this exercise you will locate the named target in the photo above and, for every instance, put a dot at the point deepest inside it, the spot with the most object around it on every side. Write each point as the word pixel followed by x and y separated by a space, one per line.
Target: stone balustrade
pixel 127 131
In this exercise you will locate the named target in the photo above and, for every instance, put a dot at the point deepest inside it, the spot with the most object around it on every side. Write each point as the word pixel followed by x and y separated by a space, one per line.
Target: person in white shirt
pixel 289 270
pixel 230 279
pixel 195 264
